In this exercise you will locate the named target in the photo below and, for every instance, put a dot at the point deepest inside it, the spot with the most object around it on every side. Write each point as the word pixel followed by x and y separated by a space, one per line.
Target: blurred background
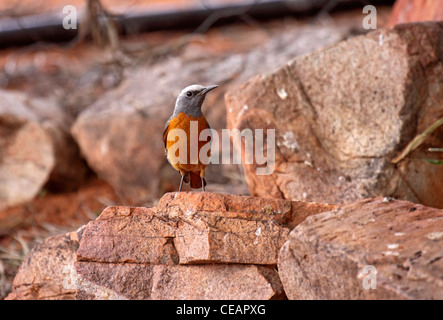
pixel 82 110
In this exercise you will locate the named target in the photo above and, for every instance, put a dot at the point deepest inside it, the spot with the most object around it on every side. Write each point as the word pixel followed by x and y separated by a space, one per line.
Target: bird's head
pixel 191 98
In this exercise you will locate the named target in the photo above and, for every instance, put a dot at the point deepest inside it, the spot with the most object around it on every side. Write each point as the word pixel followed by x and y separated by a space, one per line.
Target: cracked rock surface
pixel 341 115
pixel 191 246
pixel 218 246
pixel 369 249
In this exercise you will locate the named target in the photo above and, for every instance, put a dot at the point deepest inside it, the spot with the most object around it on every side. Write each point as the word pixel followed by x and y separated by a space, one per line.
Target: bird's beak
pixel 206 90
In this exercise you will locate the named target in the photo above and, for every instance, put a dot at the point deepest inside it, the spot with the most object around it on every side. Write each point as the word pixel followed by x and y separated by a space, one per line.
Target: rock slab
pixel 191 246
pixel 48 273
pixel 136 253
pixel 191 228
pixel 334 255
pixel 163 282
pixel 341 115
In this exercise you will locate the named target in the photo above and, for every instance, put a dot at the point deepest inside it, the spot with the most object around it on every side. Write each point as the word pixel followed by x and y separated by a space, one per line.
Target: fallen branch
pixel 417 141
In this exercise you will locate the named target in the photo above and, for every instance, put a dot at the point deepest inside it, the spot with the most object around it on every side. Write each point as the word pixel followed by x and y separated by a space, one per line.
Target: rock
pixel 26 152
pixel 70 170
pixel 191 246
pixel 166 282
pixel 189 228
pixel 405 11
pixel 36 149
pixel 128 235
pixel 332 255
pixel 340 118
pixel 47 271
pixel 120 135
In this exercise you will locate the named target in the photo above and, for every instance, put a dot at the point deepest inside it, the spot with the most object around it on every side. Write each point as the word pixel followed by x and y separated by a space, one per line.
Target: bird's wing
pixel 165 132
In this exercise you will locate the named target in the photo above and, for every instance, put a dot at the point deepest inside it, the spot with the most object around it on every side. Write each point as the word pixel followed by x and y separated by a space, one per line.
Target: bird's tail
pixel 196 181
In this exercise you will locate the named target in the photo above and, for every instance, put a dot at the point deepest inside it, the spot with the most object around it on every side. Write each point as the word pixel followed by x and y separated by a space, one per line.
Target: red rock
pixel 26 152
pixel 48 273
pixel 326 254
pixel 191 246
pixel 198 227
pixel 405 11
pixel 323 257
pixel 128 235
pixel 163 282
pixel 36 149
pixel 340 118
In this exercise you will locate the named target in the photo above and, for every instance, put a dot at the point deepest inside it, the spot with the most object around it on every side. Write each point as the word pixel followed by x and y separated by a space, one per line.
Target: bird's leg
pixel 202 177
pixel 181 183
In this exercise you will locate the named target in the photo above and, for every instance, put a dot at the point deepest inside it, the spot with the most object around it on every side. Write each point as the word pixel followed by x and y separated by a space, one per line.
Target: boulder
pixel 48 273
pixel 26 159
pixel 215 246
pixel 191 246
pixel 190 228
pixel 120 135
pixel 341 115
pixel 405 11
pixel 36 149
pixel 172 282
pixel 370 249
pixel 57 209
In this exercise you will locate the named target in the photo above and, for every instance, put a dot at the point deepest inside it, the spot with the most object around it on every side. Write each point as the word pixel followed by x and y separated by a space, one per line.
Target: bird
pixel 188 107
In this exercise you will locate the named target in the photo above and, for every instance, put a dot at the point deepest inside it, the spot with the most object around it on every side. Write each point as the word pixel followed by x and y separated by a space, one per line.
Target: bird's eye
pixel 189 94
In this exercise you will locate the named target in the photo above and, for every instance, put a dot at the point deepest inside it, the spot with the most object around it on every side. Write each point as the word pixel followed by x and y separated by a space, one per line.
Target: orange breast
pixel 183 122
